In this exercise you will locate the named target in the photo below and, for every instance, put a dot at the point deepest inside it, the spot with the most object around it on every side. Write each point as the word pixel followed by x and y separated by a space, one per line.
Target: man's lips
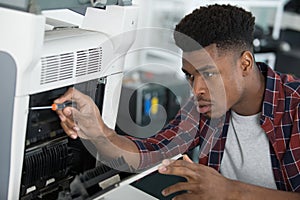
pixel 204 108
pixel 203 105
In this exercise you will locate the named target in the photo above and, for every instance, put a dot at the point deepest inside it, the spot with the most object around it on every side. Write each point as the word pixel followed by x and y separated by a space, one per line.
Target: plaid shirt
pixel 279 119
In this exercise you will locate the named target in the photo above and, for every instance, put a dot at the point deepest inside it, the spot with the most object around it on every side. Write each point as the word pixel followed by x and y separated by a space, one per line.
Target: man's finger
pixel 67 96
pixel 186 158
pixel 192 166
pixel 184 163
pixel 69 131
pixel 167 162
pixel 68 112
pixel 181 186
pixel 178 171
pixel 80 98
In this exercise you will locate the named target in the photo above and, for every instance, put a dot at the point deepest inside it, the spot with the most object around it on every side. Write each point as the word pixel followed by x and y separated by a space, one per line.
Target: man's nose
pixel 199 86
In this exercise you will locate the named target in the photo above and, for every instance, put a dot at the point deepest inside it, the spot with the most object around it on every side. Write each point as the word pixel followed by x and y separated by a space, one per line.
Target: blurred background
pixel 277 35
pixel 155 58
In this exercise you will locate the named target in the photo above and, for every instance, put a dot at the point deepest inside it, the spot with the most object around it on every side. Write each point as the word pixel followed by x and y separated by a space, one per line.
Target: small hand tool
pixel 56 106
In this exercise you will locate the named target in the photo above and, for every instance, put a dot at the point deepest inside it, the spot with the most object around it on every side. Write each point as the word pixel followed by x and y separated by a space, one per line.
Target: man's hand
pixel 85 120
pixel 202 182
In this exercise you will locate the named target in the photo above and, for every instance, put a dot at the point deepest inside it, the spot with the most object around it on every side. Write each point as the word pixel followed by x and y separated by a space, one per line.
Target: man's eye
pixel 208 74
pixel 189 76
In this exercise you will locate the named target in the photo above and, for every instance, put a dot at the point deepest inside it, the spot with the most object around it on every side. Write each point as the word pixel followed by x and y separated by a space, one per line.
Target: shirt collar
pixel 272 80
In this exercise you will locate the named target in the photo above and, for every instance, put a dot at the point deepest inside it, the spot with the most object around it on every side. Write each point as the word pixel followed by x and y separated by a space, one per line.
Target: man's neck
pixel 251 102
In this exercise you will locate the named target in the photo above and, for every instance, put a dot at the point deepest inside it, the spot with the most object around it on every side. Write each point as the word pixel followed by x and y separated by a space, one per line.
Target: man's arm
pixel 116 145
pixel 85 121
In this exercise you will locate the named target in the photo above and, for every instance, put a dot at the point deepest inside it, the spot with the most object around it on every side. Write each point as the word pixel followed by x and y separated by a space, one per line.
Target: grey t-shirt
pixel 247 155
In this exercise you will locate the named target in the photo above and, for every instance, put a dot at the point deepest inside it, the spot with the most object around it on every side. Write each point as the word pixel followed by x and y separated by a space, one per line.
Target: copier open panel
pixel 38 161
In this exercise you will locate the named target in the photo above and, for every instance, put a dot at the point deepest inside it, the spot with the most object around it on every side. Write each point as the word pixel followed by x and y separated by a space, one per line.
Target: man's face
pixel 215 79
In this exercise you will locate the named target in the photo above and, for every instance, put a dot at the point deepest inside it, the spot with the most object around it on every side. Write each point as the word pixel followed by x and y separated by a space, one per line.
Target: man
pixel 253 152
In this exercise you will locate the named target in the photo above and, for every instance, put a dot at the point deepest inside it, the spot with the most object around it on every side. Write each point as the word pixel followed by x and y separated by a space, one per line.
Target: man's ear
pixel 247 62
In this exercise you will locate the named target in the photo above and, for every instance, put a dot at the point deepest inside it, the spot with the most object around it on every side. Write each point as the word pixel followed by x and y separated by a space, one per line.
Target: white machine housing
pixel 45 60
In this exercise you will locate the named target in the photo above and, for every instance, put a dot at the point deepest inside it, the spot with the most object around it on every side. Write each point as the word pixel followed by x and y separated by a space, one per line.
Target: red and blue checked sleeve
pixel 176 137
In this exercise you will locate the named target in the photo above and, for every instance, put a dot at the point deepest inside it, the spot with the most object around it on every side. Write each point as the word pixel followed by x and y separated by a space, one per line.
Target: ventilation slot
pixel 57 68
pixel 88 61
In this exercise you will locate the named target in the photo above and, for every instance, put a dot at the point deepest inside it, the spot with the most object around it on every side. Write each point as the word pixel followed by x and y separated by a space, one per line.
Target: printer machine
pixel 41 56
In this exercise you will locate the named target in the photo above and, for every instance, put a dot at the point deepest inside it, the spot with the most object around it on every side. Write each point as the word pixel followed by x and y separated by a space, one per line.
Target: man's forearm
pixel 115 146
pixel 245 191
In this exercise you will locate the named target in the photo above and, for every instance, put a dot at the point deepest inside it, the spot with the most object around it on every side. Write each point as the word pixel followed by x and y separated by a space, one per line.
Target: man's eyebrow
pixel 202 69
pixel 206 67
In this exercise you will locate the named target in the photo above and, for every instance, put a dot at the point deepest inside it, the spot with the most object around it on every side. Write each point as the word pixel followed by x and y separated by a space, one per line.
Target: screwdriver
pixel 56 106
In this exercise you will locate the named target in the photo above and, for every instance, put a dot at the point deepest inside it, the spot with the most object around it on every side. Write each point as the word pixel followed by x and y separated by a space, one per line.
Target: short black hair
pixel 229 27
